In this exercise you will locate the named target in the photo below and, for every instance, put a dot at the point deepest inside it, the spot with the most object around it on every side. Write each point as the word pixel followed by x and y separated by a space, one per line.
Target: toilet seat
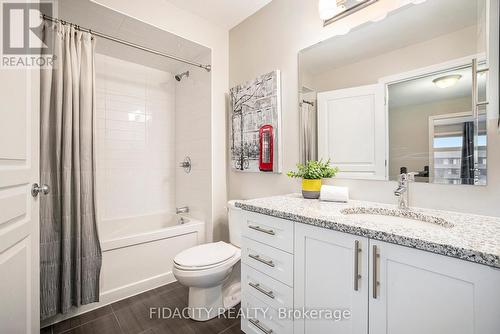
pixel 205 256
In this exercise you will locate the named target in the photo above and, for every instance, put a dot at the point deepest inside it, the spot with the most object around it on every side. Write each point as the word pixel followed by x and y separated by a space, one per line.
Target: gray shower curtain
pixel 307 133
pixel 467 165
pixel 70 252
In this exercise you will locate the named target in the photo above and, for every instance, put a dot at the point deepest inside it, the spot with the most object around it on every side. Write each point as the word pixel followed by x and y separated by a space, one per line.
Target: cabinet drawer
pixel 262 319
pixel 269 230
pixel 268 260
pixel 265 288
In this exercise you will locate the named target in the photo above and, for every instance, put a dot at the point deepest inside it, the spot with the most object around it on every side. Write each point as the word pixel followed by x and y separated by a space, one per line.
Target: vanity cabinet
pixel 415 292
pixel 331 272
pixel 385 288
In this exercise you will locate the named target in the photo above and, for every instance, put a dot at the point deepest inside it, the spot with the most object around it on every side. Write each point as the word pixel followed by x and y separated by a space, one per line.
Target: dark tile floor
pixel 131 316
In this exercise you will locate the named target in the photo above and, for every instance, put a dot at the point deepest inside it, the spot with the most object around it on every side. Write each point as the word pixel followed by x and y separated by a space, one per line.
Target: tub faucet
pixel 402 192
pixel 182 209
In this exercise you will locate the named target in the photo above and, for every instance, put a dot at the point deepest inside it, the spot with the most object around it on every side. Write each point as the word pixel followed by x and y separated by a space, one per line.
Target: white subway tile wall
pixel 136 163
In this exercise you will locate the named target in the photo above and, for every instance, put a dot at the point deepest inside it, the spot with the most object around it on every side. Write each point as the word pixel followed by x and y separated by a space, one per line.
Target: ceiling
pixel 99 18
pixel 224 13
pixel 423 90
pixel 407 26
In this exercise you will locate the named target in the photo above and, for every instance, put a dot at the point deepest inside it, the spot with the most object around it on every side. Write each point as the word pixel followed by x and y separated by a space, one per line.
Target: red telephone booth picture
pixel 266 148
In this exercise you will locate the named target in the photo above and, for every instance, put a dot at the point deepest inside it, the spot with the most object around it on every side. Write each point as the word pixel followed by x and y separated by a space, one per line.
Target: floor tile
pixel 136 317
pixel 132 316
pixel 145 295
pixel 103 325
pixel 81 319
pixel 235 329
pixel 46 330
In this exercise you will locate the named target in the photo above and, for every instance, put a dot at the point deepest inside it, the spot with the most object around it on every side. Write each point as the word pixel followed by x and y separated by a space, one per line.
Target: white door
pixel 19 232
pixel 420 292
pixel 325 272
pixel 352 131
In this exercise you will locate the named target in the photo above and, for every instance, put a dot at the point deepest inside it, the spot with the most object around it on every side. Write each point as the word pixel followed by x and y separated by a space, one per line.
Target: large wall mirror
pixel 407 93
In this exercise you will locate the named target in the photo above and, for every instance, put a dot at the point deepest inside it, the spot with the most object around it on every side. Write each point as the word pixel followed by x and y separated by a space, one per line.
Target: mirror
pixel 407 93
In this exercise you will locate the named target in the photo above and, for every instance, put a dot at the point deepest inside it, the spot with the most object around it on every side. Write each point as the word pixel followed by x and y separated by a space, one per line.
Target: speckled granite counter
pixel 473 238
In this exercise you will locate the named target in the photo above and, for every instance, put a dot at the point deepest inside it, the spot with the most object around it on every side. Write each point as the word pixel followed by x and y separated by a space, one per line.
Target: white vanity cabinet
pixel 385 287
pixel 331 272
pixel 420 292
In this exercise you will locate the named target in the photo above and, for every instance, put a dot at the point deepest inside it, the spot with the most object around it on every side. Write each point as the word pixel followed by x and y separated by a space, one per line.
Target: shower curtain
pixel 308 132
pixel 467 165
pixel 70 252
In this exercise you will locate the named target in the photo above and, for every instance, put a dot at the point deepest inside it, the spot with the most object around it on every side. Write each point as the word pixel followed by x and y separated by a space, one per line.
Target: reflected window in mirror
pixel 433 130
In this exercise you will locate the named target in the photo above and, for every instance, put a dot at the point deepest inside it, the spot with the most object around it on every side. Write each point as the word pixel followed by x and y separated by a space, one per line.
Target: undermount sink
pixel 395 216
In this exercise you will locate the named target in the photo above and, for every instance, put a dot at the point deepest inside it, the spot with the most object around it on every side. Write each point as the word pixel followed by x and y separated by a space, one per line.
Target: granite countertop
pixel 468 237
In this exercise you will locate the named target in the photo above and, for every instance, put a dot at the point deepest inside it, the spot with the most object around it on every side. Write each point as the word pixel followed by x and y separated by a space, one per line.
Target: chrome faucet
pixel 402 192
pixel 182 209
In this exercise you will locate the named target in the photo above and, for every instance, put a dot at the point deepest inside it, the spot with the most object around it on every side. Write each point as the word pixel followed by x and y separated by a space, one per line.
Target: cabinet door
pixel 325 270
pixel 419 292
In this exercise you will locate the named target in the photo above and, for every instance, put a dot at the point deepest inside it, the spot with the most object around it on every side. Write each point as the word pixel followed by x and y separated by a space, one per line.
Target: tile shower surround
pixel 135 139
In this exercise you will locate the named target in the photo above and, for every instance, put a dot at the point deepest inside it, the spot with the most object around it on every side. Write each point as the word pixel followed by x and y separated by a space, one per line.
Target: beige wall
pixel 271 39
pixel 409 132
pixel 166 16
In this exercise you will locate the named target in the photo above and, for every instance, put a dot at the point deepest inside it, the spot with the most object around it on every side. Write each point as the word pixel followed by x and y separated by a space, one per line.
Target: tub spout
pixel 182 209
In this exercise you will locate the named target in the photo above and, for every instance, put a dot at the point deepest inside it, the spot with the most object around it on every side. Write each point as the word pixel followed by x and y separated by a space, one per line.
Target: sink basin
pixel 395 216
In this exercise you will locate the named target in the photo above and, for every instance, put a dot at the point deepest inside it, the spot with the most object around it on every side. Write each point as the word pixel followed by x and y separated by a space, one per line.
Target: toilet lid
pixel 205 255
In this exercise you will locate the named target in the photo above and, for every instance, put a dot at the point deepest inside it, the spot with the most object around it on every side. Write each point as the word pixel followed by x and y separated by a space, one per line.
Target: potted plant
pixel 312 173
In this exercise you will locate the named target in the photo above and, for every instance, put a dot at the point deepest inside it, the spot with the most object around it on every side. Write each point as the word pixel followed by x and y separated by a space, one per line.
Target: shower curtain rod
pixel 208 68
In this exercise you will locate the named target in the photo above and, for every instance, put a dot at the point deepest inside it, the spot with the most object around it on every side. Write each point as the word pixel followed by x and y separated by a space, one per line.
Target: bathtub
pixel 138 254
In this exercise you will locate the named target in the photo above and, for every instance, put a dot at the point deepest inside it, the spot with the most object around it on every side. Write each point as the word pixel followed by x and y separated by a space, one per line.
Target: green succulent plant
pixel 314 170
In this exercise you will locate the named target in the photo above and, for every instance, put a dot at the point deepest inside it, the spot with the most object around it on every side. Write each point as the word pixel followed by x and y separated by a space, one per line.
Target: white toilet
pixel 212 272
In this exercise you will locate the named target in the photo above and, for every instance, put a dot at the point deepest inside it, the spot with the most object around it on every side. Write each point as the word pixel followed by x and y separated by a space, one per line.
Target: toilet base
pixel 205 303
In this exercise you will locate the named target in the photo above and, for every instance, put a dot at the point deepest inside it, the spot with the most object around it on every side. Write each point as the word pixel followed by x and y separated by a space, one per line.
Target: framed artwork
pixel 255 138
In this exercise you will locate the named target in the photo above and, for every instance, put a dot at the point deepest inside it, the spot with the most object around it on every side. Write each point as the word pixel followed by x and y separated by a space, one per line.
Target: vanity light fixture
pixel 334 10
pixel 329 8
pixel 447 80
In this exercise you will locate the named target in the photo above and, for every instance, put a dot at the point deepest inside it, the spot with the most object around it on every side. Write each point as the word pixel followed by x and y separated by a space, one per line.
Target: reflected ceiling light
pixel 447 81
pixel 329 8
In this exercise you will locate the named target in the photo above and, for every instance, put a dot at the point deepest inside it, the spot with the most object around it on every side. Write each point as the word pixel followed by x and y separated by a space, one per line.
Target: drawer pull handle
pixel 257 324
pixel 257 287
pixel 260 229
pixel 257 257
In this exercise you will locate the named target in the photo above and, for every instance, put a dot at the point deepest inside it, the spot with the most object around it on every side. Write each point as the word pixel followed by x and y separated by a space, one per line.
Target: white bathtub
pixel 138 254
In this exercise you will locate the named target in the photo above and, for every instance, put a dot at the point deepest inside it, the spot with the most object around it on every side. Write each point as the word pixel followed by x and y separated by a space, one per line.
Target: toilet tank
pixel 235 222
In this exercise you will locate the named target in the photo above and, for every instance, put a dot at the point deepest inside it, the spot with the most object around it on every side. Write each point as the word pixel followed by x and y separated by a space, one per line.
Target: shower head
pixel 179 77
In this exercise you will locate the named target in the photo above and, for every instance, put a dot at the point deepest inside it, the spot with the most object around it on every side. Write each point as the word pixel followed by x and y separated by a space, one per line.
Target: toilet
pixel 212 272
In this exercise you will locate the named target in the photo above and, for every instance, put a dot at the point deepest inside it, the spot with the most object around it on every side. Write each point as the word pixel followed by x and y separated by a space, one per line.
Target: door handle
pixel 36 189
pixel 357 276
pixel 375 282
